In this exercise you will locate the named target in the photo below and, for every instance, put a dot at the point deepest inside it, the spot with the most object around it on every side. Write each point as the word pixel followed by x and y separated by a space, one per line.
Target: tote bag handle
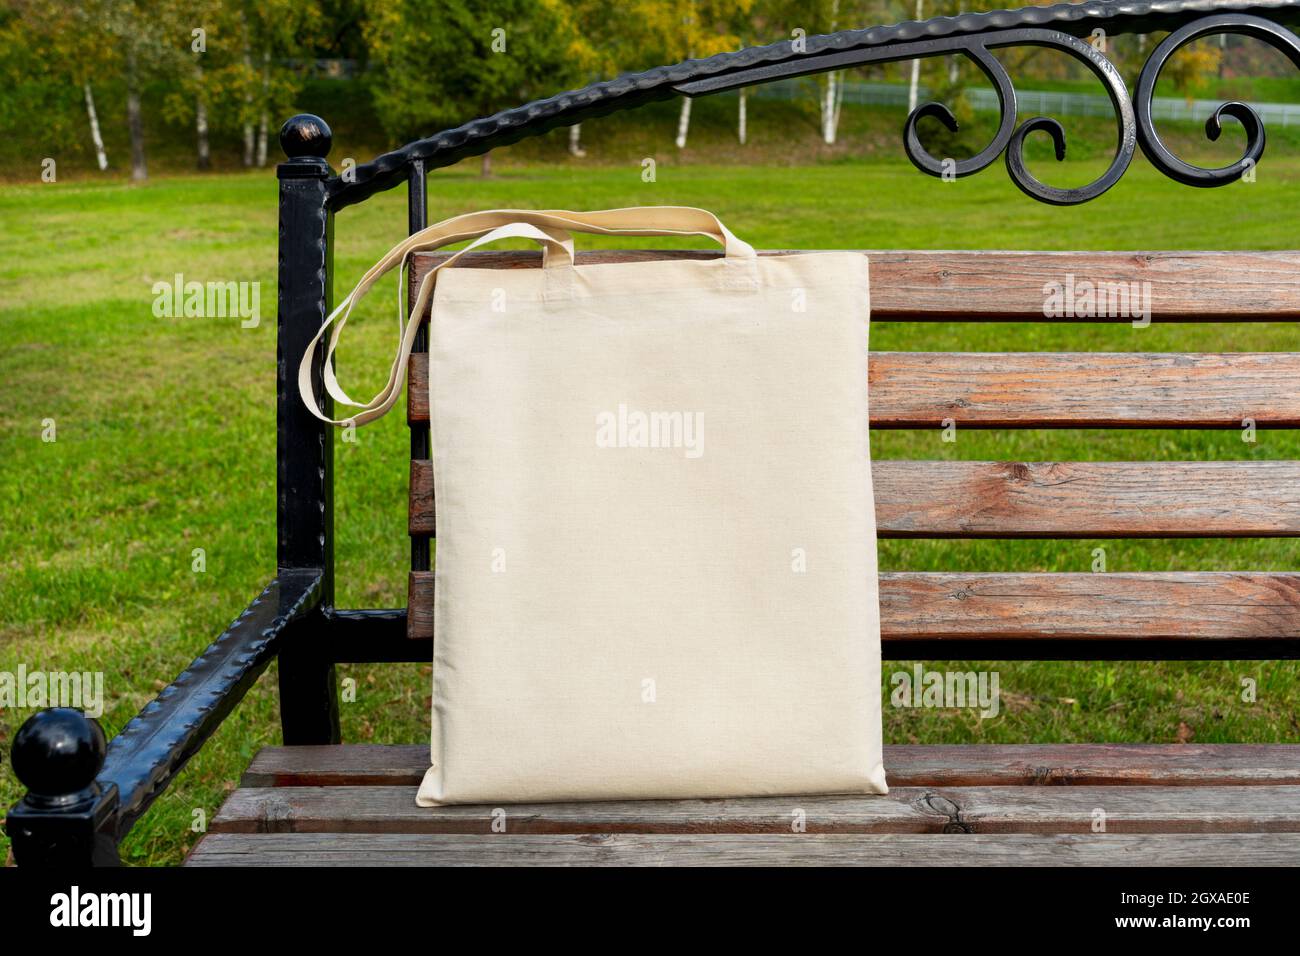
pixel 550 228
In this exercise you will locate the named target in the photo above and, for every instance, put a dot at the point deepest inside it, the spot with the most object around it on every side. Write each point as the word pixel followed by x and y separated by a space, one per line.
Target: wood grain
pixel 1078 389
pixel 907 765
pixel 909 286
pixel 807 849
pixel 422 519
pixel 1010 499
pixel 975 499
pixel 1055 389
pixel 1189 605
pixel 1143 809
pixel 1184 606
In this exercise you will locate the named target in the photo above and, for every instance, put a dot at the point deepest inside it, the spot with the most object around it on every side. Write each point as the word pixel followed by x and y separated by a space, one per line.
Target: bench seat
pixel 1214 804
pixel 1077 804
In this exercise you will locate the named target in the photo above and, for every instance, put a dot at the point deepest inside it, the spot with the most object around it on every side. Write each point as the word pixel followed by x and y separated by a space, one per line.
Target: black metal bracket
pixel 83 797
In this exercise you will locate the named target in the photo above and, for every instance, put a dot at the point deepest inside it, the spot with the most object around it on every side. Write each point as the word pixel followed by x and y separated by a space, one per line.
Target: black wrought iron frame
pixel 84 795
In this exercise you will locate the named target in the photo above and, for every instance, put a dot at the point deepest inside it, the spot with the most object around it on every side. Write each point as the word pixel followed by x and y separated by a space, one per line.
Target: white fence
pixel 1045 102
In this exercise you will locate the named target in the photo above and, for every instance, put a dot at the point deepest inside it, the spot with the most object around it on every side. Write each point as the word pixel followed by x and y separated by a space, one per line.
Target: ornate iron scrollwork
pixel 1010 138
pixel 1161 158
pixel 1133 118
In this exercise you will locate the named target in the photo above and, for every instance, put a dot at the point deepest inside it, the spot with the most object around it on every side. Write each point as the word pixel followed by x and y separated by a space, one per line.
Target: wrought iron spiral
pixel 1014 142
pixel 1155 150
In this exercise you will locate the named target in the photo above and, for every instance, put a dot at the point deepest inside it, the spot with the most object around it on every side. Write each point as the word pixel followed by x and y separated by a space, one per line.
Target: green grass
pixel 166 436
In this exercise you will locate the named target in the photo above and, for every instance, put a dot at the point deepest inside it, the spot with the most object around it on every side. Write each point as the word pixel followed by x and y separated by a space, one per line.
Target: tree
pixel 473 59
pixel 912 87
pixel 235 75
pixel 676 30
pixel 49 37
pixel 817 17
pixel 148 37
pixel 265 32
pixel 199 28
pixel 599 35
pixel 1194 62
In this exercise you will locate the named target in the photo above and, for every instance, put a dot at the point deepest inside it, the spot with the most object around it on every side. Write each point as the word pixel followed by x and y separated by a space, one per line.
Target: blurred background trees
pixel 102 79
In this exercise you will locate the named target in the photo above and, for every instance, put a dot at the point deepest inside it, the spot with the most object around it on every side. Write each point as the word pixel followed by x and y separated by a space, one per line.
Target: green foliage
pixel 426 66
pixel 241 72
pixel 470 60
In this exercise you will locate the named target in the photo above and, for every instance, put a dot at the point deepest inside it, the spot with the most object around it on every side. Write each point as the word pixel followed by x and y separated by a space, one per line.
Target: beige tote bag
pixel 656 556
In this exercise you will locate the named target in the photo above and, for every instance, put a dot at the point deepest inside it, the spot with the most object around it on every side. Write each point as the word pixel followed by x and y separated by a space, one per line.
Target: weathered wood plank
pixel 1011 499
pixel 909 286
pixel 1056 389
pixel 1195 605
pixel 1144 809
pixel 422 516
pixel 1139 606
pixel 806 849
pixel 420 586
pixel 949 499
pixel 1078 389
pixel 907 765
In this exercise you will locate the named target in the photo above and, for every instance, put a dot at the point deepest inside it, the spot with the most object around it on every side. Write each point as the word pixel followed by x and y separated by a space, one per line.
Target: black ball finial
pixel 58 752
pixel 306 135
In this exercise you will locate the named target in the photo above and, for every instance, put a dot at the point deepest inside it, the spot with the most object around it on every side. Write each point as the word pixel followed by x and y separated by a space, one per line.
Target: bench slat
pixel 1189 605
pixel 907 765
pixel 961 499
pixel 909 286
pixel 1081 389
pixel 807 849
pixel 1056 389
pixel 993 499
pixel 387 809
pixel 920 606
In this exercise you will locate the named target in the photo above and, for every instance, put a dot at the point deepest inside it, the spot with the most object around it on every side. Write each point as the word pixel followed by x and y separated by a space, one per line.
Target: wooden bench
pixel 972 805
pixel 317 801
pixel 947 805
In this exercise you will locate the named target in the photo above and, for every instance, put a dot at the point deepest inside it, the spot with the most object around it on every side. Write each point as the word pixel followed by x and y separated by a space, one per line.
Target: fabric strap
pixel 551 228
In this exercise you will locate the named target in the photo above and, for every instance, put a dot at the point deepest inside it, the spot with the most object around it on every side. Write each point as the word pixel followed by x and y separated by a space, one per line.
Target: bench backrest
pixel 1200 615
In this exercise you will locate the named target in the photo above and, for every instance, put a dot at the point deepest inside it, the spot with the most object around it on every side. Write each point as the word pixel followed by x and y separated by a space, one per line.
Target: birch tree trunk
pixel 201 118
pixel 832 100
pixel 916 70
pixel 201 130
pixel 684 122
pixel 839 101
pixel 135 119
pixel 101 157
pixel 834 82
pixel 264 121
pixel 953 61
pixel 575 141
pixel 742 118
pixel 248 111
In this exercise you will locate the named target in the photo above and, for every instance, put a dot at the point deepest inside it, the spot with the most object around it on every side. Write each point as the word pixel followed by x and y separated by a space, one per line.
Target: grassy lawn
pixel 166 438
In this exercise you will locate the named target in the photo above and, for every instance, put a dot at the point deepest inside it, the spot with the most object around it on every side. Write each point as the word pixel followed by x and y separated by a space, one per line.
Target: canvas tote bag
pixel 656 557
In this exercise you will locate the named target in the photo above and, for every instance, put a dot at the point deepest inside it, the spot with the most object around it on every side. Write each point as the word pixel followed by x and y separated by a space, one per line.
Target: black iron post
pixel 417 216
pixel 304 445
pixel 66 819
